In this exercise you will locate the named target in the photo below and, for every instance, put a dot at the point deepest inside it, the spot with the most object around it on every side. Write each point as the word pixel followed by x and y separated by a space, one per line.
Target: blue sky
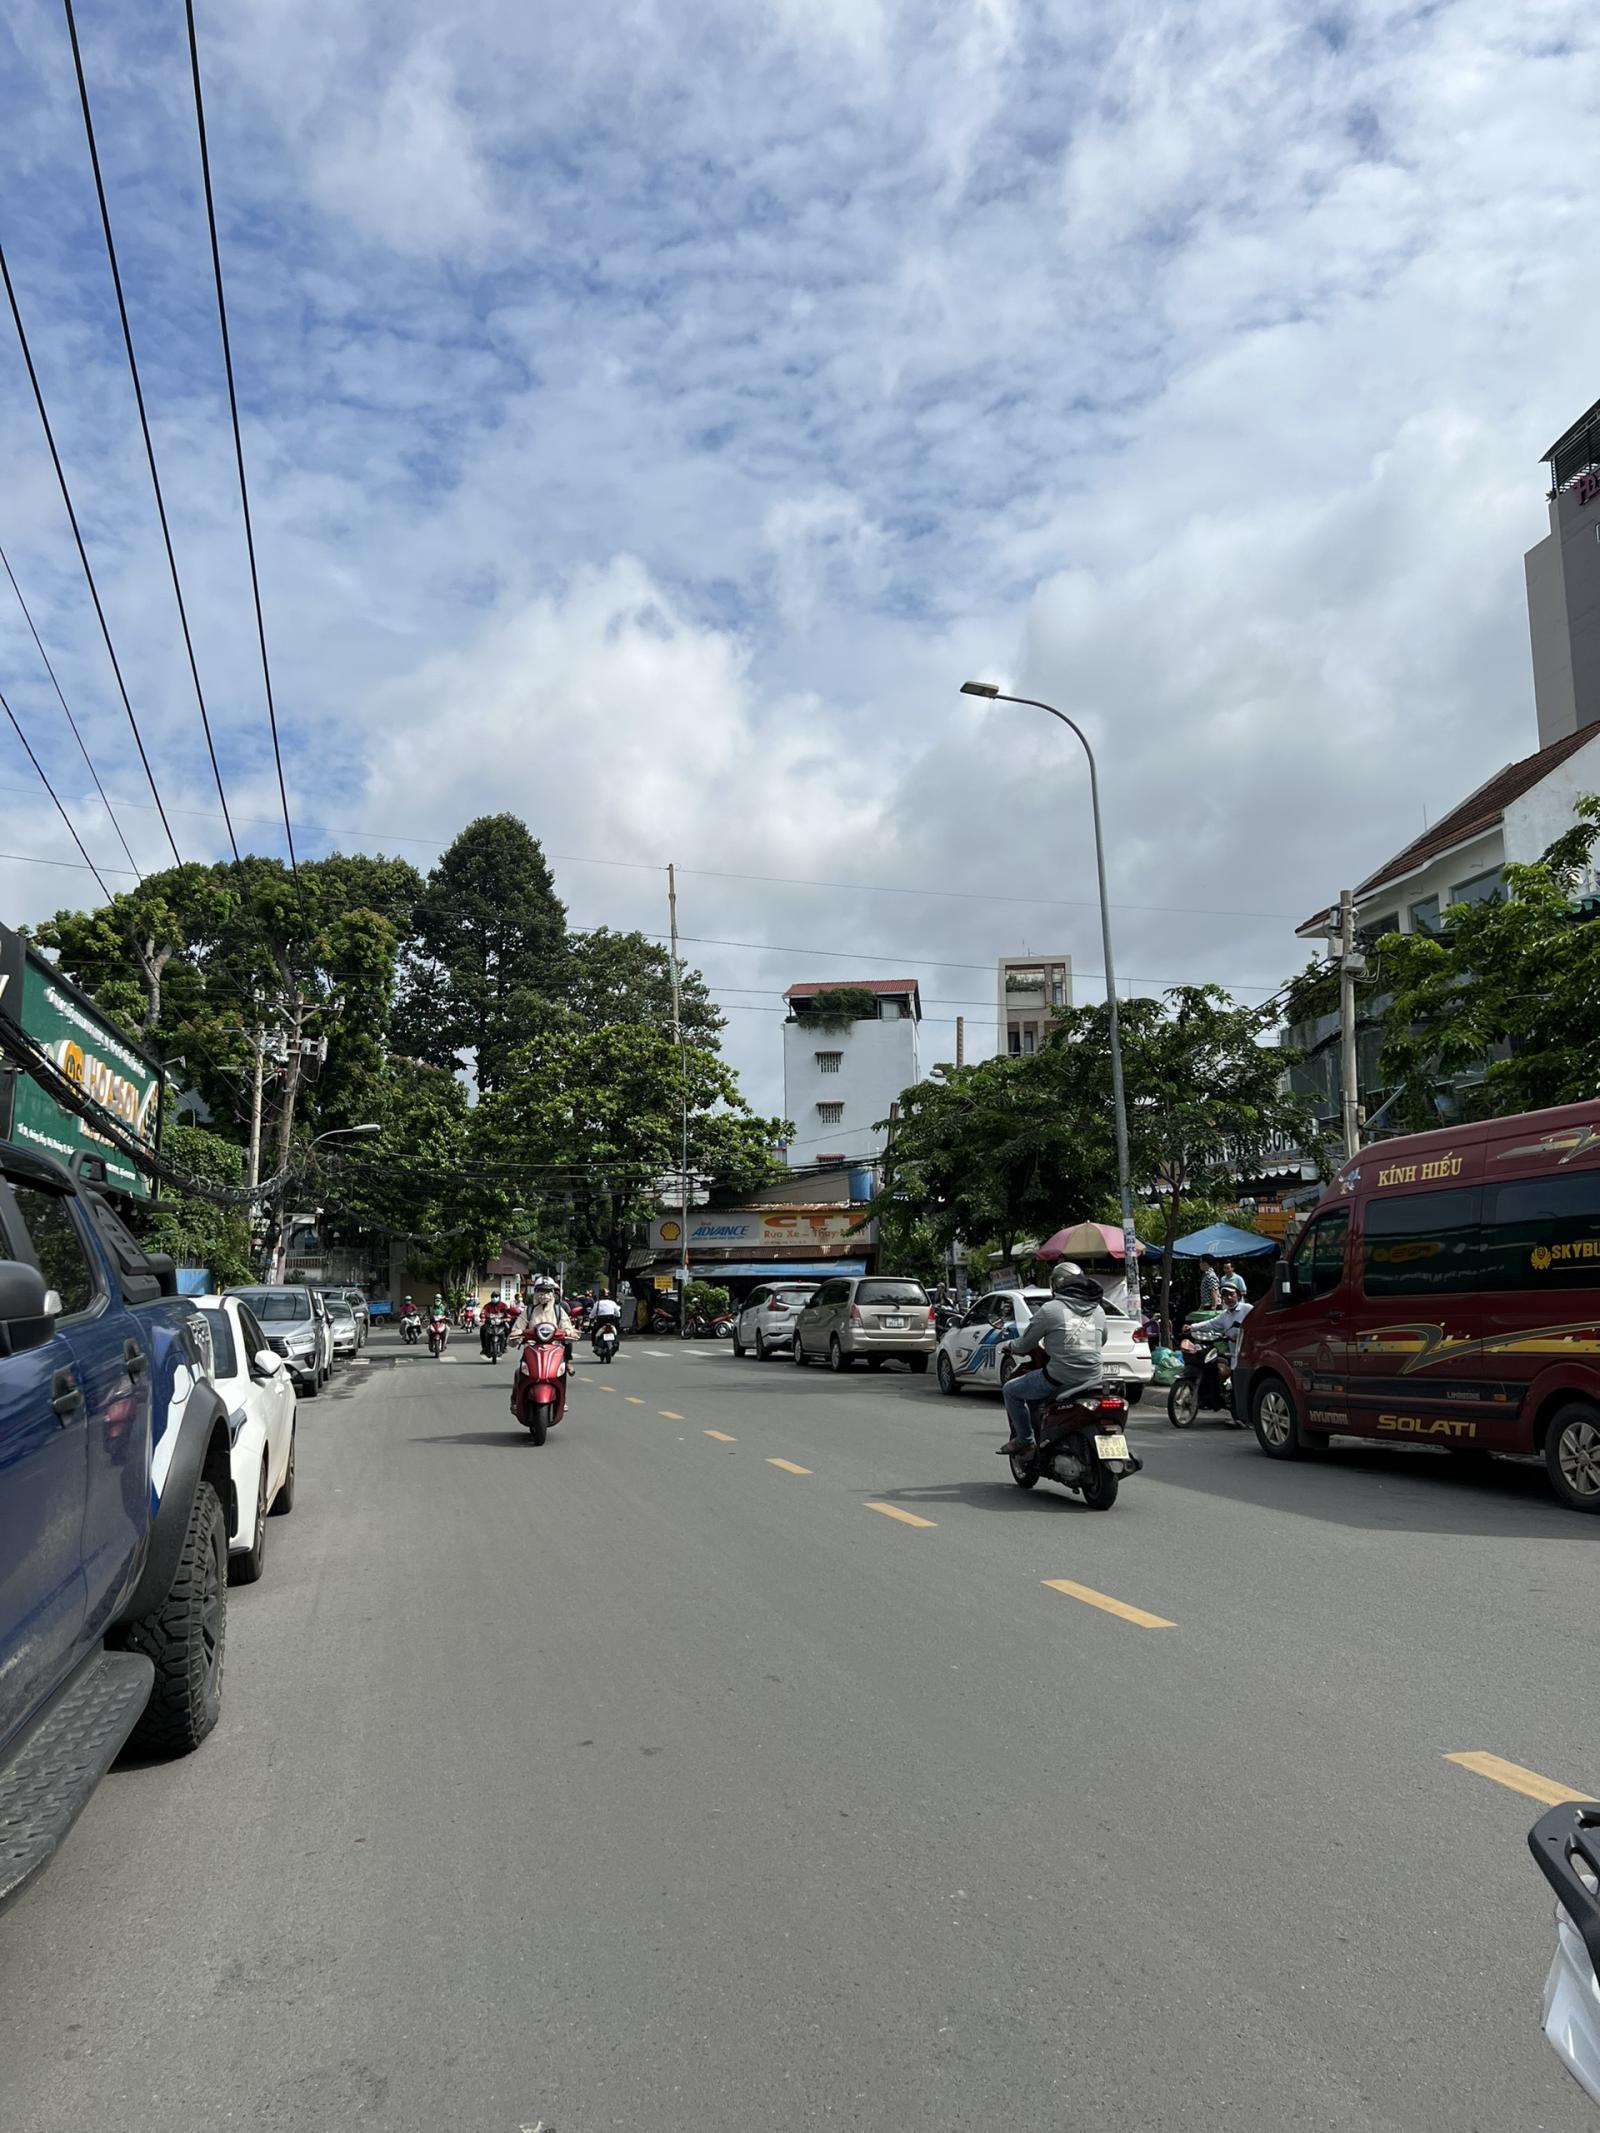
pixel 655 411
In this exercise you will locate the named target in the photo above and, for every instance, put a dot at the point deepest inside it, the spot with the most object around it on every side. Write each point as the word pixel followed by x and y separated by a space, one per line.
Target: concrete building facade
pixel 1030 989
pixel 1563 577
pixel 841 1079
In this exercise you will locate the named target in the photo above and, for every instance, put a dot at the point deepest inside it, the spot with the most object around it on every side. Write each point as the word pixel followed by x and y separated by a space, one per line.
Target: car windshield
pixel 277 1303
pixel 225 1356
pixel 340 1309
pixel 891 1292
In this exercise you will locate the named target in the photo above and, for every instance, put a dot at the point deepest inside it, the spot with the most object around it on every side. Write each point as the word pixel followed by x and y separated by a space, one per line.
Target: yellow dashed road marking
pixel 633 1399
pixel 721 1436
pixel 1104 1601
pixel 668 1414
pixel 789 1466
pixel 1515 1778
pixel 906 1518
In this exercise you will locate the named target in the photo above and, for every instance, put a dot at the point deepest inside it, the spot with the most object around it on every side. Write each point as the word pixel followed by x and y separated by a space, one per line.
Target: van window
pixel 892 1292
pixel 1319 1258
pixel 1543 1233
pixel 1421 1243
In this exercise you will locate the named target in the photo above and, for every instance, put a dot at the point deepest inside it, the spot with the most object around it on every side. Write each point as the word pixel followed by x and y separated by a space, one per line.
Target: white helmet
pixel 1066 1271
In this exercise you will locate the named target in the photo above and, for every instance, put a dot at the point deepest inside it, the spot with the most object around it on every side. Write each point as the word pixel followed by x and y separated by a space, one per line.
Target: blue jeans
pixel 1026 1395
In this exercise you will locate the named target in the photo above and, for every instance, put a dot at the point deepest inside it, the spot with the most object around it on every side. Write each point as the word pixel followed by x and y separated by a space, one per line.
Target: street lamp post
pixel 1119 1105
pixel 280 1254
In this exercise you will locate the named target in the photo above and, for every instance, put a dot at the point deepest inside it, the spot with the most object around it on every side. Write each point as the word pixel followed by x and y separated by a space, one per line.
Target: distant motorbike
pixel 493 1336
pixel 411 1328
pixel 722 1326
pixel 468 1316
pixel 1566 1844
pixel 438 1334
pixel 1080 1443
pixel 1202 1383
pixel 539 1389
pixel 604 1339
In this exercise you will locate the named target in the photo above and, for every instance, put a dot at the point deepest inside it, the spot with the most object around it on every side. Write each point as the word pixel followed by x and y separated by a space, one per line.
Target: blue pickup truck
pixel 115 1508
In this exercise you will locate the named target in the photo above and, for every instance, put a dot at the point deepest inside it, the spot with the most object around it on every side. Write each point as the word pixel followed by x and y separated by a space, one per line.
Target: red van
pixel 1446 1292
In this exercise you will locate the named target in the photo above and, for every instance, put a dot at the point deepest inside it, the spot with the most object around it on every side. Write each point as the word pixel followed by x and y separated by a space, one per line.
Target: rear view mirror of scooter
pixel 1566 1843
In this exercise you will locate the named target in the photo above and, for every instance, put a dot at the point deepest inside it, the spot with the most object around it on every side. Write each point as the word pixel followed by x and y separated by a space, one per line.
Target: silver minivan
pixel 766 1318
pixel 880 1317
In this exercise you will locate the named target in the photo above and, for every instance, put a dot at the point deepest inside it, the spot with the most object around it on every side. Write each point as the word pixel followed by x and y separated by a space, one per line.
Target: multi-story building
pixel 841 1076
pixel 1563 574
pixel 1031 988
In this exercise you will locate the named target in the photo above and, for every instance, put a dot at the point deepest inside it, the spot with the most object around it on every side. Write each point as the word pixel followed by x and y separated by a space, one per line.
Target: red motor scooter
pixel 539 1389
pixel 1080 1443
pixel 438 1334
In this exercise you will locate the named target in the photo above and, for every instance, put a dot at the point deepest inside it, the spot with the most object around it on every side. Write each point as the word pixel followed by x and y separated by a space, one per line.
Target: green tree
pixel 491 949
pixel 194 1231
pixel 1504 1003
pixel 623 977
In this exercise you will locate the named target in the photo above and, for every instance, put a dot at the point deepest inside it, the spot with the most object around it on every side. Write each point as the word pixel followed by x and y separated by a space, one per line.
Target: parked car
pixel 972 1353
pixel 877 1317
pixel 115 1508
pixel 357 1301
pixel 256 1384
pixel 289 1317
pixel 342 1322
pixel 765 1321
pixel 1446 1292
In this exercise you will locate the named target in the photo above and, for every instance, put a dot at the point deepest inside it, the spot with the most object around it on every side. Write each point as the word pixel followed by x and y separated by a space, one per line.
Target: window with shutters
pixel 829 1114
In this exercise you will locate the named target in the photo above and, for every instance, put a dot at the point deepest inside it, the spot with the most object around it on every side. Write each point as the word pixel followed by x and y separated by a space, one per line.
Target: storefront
pixel 91 1053
pixel 741 1246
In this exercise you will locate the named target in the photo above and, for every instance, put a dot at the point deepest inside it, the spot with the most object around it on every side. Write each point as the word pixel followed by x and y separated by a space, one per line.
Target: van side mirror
pixel 1288 1288
pixel 28 1307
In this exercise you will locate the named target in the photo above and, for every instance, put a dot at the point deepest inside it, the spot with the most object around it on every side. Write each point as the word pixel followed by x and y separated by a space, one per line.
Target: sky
pixel 654 411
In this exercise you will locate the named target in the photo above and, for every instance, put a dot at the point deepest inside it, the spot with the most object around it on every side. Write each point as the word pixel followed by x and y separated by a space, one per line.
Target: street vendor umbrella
pixel 1084 1240
pixel 1223 1241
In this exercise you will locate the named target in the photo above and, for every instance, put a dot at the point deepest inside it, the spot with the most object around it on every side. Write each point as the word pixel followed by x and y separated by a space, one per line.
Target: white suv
pixel 765 1320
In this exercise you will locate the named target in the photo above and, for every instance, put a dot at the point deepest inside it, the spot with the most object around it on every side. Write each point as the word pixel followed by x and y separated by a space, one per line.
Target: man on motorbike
pixel 605 1307
pixel 1227 1325
pixel 1071 1329
pixel 494 1314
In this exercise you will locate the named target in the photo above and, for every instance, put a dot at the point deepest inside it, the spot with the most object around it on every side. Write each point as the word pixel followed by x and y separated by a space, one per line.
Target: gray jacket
pixel 1072 1331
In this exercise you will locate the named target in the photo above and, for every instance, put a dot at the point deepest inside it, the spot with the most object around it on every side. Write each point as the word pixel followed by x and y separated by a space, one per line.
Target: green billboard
pixel 90 1052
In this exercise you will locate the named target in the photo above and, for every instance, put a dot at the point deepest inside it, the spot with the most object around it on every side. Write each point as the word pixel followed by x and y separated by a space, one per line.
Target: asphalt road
pixel 660 1778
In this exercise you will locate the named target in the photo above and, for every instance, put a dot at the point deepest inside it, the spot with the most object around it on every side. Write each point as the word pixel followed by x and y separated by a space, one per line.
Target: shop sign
pixel 790 1229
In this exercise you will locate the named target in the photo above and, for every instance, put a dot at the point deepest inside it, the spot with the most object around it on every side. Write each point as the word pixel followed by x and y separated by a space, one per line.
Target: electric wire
pixel 76 735
pixel 83 553
pixel 144 420
pixel 50 789
pixel 238 435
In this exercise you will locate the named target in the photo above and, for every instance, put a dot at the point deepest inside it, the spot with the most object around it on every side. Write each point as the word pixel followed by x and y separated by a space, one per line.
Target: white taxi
pixel 973 1352
pixel 260 1397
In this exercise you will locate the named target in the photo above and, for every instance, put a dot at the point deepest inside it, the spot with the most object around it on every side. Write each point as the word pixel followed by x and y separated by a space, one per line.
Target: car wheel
pixel 799 1354
pixel 1572 1455
pixel 186 1636
pixel 948 1381
pixel 283 1502
pixel 738 1345
pixel 245 1568
pixel 311 1388
pixel 761 1346
pixel 837 1359
pixel 919 1363
pixel 1277 1425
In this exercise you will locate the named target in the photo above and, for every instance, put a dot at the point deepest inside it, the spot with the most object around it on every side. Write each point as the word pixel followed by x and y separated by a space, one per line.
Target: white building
pixel 1031 988
pixel 840 1078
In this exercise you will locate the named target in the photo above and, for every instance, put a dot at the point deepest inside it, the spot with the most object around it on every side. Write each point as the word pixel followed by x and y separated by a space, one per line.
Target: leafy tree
pixel 1504 1003
pixel 194 1231
pixel 623 977
pixel 491 947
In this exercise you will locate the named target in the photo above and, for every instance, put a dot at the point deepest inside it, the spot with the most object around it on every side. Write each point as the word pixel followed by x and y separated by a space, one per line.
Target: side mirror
pixel 28 1309
pixel 1287 1287
pixel 266 1362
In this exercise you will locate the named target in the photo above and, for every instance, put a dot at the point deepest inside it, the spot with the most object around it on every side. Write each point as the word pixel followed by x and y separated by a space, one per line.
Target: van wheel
pixel 1277 1424
pixel 799 1354
pixel 1572 1456
pixel 837 1359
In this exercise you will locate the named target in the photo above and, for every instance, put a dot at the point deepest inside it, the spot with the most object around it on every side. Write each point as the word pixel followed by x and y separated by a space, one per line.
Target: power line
pixel 238 437
pixel 144 420
pixel 72 722
pixel 50 789
pixel 919 962
pixel 83 553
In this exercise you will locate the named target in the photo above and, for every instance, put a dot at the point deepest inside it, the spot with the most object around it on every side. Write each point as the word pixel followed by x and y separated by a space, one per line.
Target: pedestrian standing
pixel 1210 1284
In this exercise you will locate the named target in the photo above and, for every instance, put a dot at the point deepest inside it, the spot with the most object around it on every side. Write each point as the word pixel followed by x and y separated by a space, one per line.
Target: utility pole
pixel 683 1091
pixel 1351 965
pixel 253 1168
pixel 961 1040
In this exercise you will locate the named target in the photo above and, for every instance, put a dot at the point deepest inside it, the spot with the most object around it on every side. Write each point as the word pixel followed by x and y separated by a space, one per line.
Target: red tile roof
pixel 873 985
pixel 1480 811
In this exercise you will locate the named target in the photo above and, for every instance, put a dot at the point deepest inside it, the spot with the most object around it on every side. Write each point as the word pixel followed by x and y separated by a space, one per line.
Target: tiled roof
pixel 873 985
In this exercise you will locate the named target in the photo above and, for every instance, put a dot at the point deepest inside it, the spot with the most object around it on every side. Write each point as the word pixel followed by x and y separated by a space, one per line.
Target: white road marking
pixel 660 1352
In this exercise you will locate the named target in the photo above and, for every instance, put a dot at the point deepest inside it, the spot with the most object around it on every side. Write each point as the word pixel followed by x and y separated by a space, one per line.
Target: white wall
pixel 880 1060
pixel 1437 878
pixel 1534 822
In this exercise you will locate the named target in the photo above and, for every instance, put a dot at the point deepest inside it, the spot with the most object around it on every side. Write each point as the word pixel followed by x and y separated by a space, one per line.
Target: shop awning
pixel 820 1269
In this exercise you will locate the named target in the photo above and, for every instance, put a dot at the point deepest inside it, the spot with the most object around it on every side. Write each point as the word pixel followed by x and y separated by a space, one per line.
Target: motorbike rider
pixel 1071 1329
pixel 1227 1325
pixel 544 1309
pixel 606 1310
pixel 494 1312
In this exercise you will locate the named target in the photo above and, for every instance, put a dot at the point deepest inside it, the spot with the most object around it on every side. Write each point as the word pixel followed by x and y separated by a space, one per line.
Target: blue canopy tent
pixel 1222 1241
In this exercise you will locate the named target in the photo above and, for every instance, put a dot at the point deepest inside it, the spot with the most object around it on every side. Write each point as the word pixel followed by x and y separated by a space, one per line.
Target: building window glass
pixel 1030 1039
pixel 1425 915
pixel 830 1114
pixel 1481 889
pixel 829 1062
pixel 1014 1041
pixel 1058 989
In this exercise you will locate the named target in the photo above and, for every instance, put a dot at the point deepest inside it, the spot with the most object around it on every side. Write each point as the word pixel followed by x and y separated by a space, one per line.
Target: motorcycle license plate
pixel 1113 1445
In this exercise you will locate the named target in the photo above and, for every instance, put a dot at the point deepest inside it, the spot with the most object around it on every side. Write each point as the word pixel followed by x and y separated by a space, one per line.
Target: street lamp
pixel 347 1133
pixel 1130 1263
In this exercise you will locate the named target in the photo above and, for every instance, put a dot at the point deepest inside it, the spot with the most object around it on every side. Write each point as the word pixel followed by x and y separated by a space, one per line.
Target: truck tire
pixel 186 1637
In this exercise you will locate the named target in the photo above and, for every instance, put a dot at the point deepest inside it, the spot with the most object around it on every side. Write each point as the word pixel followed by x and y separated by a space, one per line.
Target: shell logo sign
pixel 671 1232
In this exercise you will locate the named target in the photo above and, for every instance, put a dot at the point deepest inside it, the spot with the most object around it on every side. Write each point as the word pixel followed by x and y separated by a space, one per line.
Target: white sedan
pixel 973 1352
pixel 259 1392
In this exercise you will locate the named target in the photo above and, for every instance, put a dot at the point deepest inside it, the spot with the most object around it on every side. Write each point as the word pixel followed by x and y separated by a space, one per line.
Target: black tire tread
pixel 179 1716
